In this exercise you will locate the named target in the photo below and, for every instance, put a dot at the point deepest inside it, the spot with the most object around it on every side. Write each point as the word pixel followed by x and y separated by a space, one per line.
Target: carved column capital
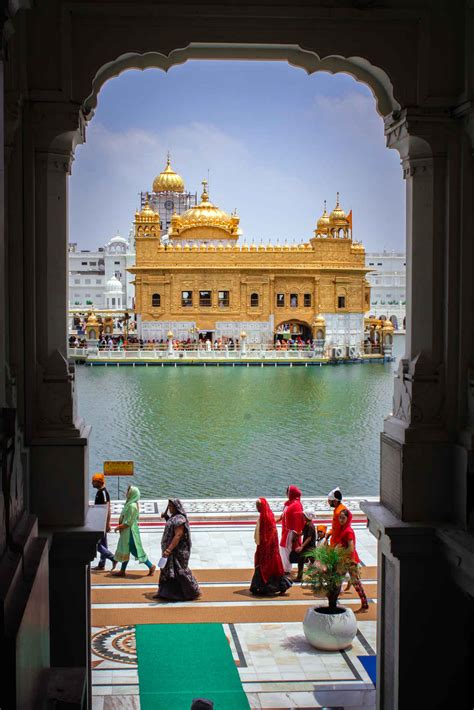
pixel 56 403
pixel 58 128
pixel 418 400
pixel 420 132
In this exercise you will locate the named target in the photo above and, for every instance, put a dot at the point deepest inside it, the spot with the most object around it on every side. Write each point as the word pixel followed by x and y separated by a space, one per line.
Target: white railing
pixel 250 352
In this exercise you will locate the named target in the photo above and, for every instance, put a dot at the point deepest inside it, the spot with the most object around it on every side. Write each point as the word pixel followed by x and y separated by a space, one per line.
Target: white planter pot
pixel 329 632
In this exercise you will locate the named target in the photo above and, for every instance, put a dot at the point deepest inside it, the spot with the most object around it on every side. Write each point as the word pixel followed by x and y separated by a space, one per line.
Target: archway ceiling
pixel 357 67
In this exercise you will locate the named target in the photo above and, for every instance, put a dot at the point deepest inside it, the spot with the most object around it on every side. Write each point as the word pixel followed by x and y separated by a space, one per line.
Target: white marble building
pixel 100 278
pixel 388 286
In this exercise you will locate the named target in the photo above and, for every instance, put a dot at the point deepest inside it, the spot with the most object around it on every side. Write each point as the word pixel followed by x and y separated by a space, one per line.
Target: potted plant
pixel 331 627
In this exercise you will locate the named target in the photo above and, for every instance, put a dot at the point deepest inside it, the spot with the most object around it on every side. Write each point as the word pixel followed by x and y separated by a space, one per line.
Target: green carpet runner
pixel 180 662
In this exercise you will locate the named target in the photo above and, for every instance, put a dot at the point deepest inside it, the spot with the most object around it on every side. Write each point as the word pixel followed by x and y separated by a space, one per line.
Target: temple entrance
pixel 293 331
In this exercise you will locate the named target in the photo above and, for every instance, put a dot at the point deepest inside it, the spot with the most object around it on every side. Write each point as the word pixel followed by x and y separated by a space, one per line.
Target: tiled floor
pixel 277 666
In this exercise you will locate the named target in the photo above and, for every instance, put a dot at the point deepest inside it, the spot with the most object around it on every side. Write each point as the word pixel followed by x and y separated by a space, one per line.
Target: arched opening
pixel 254 300
pixel 417 443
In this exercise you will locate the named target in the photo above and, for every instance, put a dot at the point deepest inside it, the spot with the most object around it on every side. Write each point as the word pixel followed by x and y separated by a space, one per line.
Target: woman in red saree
pixel 269 576
pixel 292 523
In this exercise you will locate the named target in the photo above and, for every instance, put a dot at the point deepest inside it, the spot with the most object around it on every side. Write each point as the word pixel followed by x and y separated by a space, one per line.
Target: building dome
pixel 205 221
pixel 118 240
pixel 147 214
pixel 92 319
pixel 322 224
pixel 168 180
pixel 113 285
pixel 338 218
pixel 320 321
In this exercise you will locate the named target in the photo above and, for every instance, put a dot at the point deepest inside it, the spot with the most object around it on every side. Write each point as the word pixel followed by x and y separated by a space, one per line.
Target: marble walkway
pixel 278 668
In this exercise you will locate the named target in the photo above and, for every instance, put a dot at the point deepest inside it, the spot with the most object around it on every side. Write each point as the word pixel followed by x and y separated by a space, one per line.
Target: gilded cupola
pixel 168 180
pixel 338 222
pixel 205 222
pixel 147 221
pixel 322 225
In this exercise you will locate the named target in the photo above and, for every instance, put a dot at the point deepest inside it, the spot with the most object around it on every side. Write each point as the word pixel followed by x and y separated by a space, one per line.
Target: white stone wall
pixel 257 332
pixel 344 329
pixel 158 330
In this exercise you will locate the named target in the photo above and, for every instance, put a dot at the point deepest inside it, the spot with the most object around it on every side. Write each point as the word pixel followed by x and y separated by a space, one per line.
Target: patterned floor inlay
pixel 116 643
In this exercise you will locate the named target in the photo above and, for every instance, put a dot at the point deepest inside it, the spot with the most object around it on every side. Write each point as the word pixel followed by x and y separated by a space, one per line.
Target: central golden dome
pixel 205 221
pixel 168 180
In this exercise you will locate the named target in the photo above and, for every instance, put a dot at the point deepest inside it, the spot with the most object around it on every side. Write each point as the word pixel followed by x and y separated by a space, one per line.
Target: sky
pixel 274 142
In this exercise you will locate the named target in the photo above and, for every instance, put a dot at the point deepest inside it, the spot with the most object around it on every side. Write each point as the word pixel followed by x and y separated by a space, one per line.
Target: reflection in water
pixel 228 432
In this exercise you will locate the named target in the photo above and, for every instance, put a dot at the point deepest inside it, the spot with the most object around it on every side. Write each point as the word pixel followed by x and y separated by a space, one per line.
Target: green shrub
pixel 326 573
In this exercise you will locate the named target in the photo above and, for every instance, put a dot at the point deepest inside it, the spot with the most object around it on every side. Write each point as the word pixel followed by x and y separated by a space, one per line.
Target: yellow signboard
pixel 118 468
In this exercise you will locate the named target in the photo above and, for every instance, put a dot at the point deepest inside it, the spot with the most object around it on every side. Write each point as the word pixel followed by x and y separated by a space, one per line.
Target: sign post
pixel 118 468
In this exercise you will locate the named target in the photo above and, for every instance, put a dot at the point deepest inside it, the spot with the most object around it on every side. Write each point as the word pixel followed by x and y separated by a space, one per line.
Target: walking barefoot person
pixel 335 501
pixel 269 576
pixel 102 497
pixel 177 582
pixel 347 539
pixel 130 540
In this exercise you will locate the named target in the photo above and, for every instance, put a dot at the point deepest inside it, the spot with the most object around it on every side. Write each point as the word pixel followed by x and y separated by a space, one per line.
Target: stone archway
pixel 427 442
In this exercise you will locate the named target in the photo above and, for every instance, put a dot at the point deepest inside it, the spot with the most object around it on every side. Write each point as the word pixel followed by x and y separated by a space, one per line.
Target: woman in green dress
pixel 130 541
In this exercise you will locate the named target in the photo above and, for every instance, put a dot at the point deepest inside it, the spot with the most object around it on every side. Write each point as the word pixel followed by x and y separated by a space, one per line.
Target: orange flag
pixel 349 219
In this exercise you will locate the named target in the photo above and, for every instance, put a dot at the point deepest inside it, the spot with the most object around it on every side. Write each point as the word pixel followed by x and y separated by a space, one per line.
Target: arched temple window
pixel 254 300
pixel 156 300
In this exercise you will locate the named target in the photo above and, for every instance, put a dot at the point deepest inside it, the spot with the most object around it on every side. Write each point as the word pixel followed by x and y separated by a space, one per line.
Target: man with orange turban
pixel 102 497
pixel 335 501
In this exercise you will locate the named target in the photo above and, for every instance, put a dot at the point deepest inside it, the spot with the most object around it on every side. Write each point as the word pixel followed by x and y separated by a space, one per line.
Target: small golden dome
pixel 323 222
pixel 320 321
pixel 338 218
pixel 186 247
pixel 147 214
pixel 92 319
pixel 168 180
pixel 387 325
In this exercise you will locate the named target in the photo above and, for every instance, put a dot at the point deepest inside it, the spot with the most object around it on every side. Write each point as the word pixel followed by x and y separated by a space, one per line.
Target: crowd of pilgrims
pixel 133 342
pixel 274 555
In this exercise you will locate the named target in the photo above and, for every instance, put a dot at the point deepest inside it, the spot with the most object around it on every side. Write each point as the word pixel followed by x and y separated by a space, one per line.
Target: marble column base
pixel 425 631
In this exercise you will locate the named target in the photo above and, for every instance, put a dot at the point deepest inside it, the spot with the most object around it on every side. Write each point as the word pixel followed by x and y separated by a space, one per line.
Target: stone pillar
pixel 59 455
pixel 424 469
pixel 69 589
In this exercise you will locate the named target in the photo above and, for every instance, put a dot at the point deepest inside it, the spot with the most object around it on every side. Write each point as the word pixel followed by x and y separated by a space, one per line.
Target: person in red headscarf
pixel 269 576
pixel 292 524
pixel 347 540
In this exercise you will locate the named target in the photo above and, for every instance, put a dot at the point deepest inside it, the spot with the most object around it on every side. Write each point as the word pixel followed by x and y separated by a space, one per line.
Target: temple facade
pixel 204 281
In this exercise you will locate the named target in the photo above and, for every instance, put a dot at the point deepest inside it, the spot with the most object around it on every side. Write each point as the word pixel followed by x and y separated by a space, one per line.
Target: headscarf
pixel 346 534
pixel 128 514
pixel 180 511
pixel 292 518
pixel 332 494
pixel 322 528
pixel 309 513
pixel 98 477
pixel 267 554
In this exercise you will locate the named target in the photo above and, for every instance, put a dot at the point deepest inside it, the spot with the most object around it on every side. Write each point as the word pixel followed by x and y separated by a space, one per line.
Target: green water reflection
pixel 227 432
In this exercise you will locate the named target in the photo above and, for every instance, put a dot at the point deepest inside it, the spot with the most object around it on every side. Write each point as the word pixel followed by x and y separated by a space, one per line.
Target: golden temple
pixel 200 278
